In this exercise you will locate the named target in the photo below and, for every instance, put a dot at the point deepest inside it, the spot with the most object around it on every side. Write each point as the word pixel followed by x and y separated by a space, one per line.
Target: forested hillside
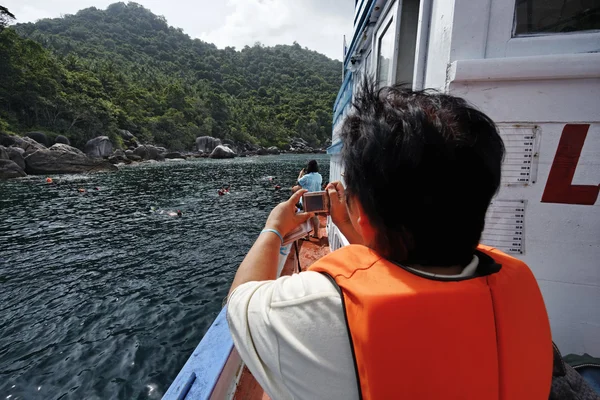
pixel 98 71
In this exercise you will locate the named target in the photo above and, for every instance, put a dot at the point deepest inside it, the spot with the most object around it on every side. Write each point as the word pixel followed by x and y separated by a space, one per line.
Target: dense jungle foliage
pixel 98 71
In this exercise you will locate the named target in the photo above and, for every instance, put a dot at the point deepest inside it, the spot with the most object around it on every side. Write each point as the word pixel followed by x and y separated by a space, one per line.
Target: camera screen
pixel 313 203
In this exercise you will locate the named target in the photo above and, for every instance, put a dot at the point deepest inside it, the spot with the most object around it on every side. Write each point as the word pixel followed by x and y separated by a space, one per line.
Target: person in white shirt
pixel 421 169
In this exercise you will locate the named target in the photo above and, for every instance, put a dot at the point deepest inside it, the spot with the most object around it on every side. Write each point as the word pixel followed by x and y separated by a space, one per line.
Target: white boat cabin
pixel 534 67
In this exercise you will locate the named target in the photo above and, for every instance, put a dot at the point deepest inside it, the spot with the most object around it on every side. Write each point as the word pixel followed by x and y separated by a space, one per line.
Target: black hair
pixel 424 166
pixel 312 166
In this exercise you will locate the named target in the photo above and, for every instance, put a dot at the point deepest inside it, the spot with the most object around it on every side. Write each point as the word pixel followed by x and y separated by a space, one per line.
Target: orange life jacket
pixel 416 337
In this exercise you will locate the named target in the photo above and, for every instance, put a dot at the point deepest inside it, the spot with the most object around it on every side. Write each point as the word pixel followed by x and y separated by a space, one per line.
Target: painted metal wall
pixel 557 96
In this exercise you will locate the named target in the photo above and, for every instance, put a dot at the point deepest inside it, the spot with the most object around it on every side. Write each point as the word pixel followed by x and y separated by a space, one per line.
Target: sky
pixel 316 24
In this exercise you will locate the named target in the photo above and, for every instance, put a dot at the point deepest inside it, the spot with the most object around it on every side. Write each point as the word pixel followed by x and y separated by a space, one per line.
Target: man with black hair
pixel 415 307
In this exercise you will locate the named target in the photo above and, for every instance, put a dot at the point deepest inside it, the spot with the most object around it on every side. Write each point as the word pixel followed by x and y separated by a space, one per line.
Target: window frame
pixel 502 41
pixel 390 20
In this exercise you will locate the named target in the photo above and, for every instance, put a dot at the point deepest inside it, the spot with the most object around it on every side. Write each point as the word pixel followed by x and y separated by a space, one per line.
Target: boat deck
pixel 309 252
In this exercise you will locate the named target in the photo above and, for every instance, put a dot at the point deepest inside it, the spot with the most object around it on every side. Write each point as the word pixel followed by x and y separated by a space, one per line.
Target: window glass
pixel 385 51
pixel 556 16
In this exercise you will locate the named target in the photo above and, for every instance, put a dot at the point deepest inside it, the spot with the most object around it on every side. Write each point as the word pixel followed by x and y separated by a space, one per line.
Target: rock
pixel 4 153
pixel 232 145
pixel 119 153
pixel 149 152
pixel 39 137
pixel 125 134
pixel 142 152
pixel 262 151
pixel 129 153
pixel 222 152
pixel 25 143
pixel 207 144
pixel 9 169
pixel 100 146
pixel 15 154
pixel 17 149
pixel 155 153
pixel 62 140
pixel 174 155
pixel 119 160
pixel 273 150
pixel 61 160
pixel 6 139
pixel 135 158
pixel 247 146
pixel 66 148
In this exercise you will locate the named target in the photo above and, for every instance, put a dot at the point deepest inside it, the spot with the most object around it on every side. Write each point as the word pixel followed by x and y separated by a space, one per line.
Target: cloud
pixel 316 24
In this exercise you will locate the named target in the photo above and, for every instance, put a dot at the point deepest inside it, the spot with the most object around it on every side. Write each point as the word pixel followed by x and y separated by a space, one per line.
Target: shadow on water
pixel 102 295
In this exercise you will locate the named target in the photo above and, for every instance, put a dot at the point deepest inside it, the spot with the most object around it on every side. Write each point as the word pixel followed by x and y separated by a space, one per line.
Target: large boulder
pixel 273 150
pixel 62 140
pixel 25 143
pixel 100 146
pixel 222 152
pixel 39 137
pixel 142 152
pixel 233 145
pixel 15 154
pixel 9 169
pixel 62 160
pixel 149 152
pixel 207 144
pixel 65 148
pixel 262 151
pixel 119 153
pixel 4 153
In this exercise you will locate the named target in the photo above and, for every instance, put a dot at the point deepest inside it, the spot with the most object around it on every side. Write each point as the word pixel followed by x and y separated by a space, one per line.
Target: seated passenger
pixel 310 179
pixel 415 308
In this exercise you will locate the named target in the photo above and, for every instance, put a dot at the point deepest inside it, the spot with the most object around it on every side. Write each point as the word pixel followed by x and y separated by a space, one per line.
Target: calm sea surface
pixel 103 295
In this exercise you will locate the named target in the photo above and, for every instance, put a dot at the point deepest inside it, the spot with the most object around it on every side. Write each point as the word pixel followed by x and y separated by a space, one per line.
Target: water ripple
pixel 100 297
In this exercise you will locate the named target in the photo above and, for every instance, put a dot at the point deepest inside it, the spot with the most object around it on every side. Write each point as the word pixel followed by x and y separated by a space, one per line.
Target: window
pixel 556 16
pixel 385 50
pixel 385 46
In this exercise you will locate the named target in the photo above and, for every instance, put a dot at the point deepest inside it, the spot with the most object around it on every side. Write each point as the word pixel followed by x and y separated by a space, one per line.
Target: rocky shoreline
pixel 33 154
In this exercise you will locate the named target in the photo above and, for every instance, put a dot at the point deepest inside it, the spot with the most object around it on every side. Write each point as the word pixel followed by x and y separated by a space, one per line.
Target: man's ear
pixel 365 228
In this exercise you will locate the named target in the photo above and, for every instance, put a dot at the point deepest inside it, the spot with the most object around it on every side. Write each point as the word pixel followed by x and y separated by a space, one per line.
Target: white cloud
pixel 316 24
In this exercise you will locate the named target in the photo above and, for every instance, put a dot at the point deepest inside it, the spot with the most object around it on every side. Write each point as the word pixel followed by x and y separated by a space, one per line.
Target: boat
pixel 534 68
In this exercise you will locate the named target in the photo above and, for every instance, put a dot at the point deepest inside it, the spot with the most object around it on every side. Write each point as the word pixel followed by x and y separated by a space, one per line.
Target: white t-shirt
pixel 292 335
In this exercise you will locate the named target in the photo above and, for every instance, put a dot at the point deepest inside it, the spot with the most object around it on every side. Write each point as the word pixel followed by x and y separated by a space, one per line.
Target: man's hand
pixel 283 218
pixel 339 212
pixel 337 204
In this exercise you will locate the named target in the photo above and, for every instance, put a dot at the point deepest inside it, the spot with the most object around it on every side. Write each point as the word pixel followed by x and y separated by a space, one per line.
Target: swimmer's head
pixel 179 213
